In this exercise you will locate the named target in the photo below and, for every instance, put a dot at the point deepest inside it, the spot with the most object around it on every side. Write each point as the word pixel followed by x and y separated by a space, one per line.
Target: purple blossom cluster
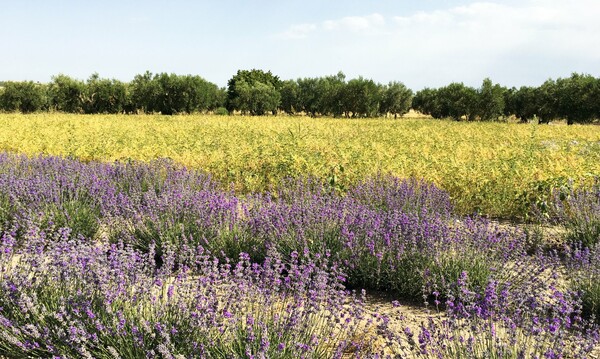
pixel 531 319
pixel 579 211
pixel 70 298
pixel 387 234
pixel 576 208
pixel 583 264
pixel 131 260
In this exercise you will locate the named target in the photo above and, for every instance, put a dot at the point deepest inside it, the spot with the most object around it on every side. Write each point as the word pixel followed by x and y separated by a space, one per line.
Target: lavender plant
pixel 390 194
pixel 152 260
pixel 384 247
pixel 157 202
pixel 579 211
pixel 534 319
pixel 387 233
pixel 67 298
pixel 583 264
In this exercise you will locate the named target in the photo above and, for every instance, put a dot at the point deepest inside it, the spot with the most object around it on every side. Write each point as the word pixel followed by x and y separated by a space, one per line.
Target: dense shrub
pixel 106 96
pixel 221 111
pixel 67 94
pixel 584 277
pixel 24 97
pixel 172 94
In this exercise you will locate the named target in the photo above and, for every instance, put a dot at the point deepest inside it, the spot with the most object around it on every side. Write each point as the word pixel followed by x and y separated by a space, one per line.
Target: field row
pixel 495 169
pixel 152 260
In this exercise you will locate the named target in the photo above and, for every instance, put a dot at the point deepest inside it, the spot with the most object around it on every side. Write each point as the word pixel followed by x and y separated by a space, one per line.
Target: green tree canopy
pixel 105 96
pixel 578 98
pixel 290 91
pixel 309 96
pixel 67 94
pixel 361 97
pixel 522 103
pixel 251 78
pixel 256 99
pixel 426 102
pixel 25 97
pixel 457 100
pixel 170 94
pixel 332 90
pixel 490 101
pixel 396 99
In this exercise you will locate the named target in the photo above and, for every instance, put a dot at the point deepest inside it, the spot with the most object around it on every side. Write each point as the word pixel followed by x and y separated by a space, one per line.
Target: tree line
pixel 256 92
pixel 151 93
pixel 576 99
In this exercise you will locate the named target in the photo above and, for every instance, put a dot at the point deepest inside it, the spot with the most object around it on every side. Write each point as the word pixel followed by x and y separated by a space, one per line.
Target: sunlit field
pixel 495 169
pixel 287 237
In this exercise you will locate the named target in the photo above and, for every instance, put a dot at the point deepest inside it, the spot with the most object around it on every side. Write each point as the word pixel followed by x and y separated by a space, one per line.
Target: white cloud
pixel 349 23
pixel 513 42
pixel 550 27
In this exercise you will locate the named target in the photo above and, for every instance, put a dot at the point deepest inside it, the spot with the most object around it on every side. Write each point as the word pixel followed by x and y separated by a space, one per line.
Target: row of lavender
pixel 131 260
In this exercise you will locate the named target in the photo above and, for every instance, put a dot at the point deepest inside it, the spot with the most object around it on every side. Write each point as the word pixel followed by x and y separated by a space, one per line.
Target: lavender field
pixel 151 260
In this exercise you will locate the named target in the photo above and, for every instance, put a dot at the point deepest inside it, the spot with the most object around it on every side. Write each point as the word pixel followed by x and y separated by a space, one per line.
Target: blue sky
pixel 421 43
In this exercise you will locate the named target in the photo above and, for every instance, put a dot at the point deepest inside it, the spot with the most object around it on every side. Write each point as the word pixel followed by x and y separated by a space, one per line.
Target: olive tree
pixel 25 97
pixel 490 101
pixel 67 94
pixel 396 99
pixel 239 91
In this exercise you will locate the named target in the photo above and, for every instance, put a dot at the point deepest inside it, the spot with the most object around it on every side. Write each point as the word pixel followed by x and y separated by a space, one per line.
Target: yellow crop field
pixel 493 168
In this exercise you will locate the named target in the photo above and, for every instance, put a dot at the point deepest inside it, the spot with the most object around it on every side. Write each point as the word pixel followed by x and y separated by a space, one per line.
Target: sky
pixel 422 43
